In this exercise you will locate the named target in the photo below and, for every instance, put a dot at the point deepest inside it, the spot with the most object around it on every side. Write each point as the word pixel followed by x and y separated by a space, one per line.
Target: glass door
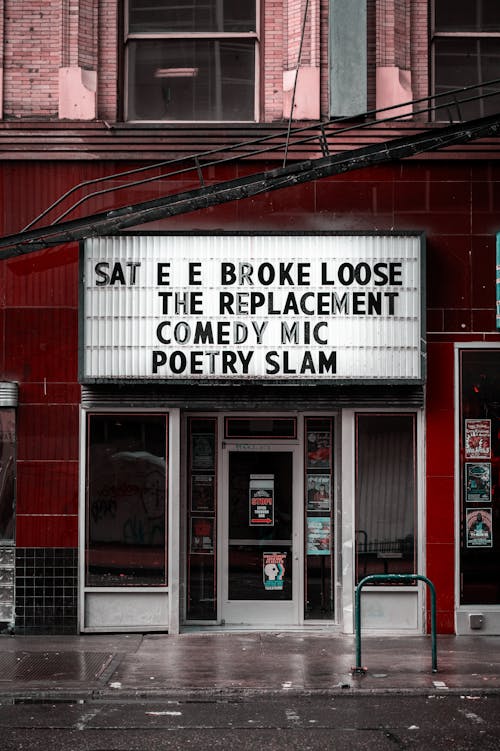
pixel 260 570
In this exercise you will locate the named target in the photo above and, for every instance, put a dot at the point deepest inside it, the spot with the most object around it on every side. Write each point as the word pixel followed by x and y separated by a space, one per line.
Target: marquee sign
pixel 261 307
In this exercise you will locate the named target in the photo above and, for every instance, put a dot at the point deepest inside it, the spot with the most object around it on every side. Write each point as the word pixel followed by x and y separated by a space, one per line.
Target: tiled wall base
pixel 46 591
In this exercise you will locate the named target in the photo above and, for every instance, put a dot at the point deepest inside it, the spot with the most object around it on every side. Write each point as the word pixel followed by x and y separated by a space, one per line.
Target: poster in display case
pixel 318 535
pixel 318 493
pixel 479 529
pixel 318 449
pixel 202 493
pixel 477 439
pixel 202 451
pixel 202 534
pixel 478 482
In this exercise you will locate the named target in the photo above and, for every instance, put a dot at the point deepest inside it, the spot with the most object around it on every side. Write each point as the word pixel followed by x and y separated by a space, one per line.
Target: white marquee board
pixel 260 307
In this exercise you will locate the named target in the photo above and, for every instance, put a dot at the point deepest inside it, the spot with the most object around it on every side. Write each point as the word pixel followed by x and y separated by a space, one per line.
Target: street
pixel 384 722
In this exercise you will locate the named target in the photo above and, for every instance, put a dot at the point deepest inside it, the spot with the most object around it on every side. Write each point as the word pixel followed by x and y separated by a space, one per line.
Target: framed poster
pixel 479 530
pixel 478 482
pixel 202 535
pixel 261 501
pixel 202 451
pixel 318 449
pixel 318 493
pixel 318 535
pixel 477 439
pixel 202 493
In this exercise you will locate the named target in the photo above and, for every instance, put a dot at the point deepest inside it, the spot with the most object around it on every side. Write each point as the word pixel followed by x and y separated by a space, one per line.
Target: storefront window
pixel 126 500
pixel 480 476
pixel 385 494
pixel 319 505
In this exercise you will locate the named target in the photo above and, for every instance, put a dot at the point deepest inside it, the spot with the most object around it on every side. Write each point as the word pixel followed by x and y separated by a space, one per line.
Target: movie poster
pixel 478 482
pixel 318 535
pixel 202 493
pixel 479 530
pixel 318 493
pixel 318 449
pixel 477 439
pixel 202 451
pixel 202 535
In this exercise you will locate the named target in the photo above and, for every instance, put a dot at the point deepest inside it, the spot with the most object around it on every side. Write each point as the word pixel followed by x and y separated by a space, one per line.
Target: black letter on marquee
pixel 159 359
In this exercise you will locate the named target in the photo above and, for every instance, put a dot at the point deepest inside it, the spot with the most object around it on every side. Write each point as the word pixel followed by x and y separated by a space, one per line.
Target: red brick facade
pixel 38 38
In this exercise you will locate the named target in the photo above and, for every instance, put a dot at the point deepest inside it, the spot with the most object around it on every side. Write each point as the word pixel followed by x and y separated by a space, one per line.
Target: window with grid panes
pixel 466 52
pixel 191 61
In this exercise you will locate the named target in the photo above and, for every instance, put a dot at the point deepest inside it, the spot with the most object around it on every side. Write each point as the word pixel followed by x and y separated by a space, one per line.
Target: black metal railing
pixel 322 133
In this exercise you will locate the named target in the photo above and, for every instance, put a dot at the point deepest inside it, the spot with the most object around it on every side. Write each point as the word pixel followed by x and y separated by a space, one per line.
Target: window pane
pixel 464 62
pixel 7 473
pixel 473 15
pixel 385 495
pixel 126 470
pixel 191 80
pixel 480 477
pixel 175 15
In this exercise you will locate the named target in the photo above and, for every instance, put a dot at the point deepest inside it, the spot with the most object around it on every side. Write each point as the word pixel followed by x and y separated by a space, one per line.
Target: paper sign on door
pixel 261 500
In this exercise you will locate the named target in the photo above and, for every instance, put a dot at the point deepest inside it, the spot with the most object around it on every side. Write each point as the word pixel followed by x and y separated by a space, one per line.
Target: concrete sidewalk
pixel 73 667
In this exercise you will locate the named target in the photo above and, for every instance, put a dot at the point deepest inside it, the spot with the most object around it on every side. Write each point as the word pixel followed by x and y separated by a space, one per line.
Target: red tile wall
pixel 454 204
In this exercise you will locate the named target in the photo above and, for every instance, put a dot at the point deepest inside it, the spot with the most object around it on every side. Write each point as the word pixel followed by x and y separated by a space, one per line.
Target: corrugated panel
pixel 249 397
pixel 41 140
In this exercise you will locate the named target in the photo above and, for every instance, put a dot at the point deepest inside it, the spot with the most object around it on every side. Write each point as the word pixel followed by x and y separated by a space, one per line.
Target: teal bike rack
pixel 393 578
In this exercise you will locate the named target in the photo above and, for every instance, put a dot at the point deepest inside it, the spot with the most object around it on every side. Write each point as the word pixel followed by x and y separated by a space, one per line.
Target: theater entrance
pixel 261 558
pixel 261 538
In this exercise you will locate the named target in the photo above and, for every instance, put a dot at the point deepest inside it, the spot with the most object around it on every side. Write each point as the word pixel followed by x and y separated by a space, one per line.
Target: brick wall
pixel 32 57
pixel 40 37
pixel 109 69
pixel 87 34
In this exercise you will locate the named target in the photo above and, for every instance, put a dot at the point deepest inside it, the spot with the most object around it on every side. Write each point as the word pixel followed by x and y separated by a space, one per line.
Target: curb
pixel 73 696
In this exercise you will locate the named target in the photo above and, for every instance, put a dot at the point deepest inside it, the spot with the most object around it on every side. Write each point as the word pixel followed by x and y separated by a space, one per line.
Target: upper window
pixel 466 52
pixel 191 61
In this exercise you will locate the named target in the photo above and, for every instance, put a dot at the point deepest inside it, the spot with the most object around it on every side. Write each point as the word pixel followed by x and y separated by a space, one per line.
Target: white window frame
pixel 228 35
pixel 434 35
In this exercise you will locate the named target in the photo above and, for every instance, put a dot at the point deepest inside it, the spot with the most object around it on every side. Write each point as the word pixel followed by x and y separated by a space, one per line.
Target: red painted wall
pixel 456 204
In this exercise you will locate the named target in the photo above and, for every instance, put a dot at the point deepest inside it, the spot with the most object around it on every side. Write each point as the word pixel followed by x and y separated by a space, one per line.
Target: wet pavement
pixel 243 663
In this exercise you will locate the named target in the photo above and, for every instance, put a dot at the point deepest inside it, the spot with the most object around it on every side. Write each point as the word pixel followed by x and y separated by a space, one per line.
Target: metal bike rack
pixel 392 578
